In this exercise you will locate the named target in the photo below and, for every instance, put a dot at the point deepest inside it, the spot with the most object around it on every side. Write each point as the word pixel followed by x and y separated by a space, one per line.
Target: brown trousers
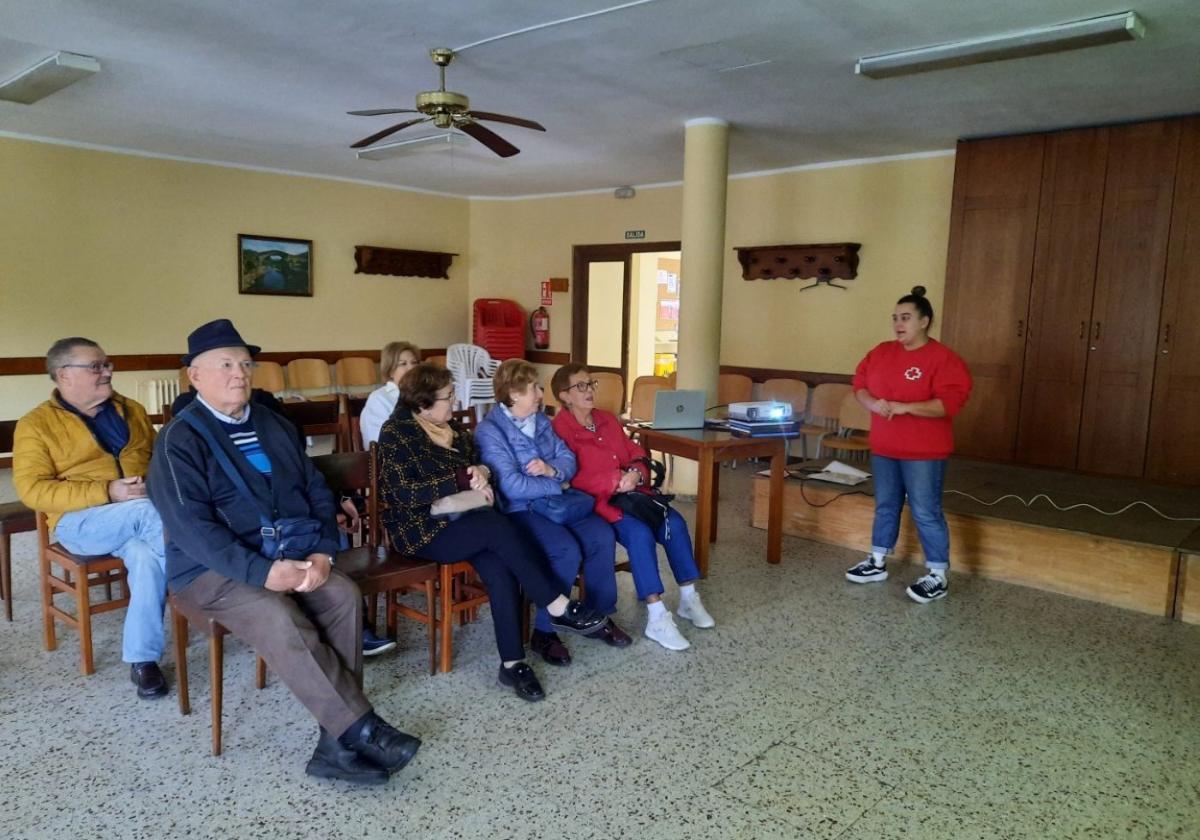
pixel 312 640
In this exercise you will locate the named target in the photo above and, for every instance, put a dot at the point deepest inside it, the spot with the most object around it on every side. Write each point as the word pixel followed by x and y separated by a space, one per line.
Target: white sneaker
pixel 693 610
pixel 664 631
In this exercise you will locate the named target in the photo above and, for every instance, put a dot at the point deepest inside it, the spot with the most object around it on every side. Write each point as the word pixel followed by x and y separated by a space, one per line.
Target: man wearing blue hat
pixel 251 540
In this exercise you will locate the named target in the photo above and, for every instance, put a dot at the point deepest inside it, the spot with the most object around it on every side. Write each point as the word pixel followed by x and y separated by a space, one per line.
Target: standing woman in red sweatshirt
pixel 912 386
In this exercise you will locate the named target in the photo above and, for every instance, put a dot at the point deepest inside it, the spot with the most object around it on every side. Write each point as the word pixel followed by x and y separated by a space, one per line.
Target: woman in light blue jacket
pixel 530 463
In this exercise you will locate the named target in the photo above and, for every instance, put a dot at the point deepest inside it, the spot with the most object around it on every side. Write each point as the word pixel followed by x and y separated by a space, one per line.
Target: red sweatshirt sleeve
pixel 953 383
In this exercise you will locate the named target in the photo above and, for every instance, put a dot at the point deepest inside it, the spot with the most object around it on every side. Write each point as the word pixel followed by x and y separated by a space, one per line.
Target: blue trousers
pixel 921 482
pixel 588 543
pixel 132 531
pixel 642 545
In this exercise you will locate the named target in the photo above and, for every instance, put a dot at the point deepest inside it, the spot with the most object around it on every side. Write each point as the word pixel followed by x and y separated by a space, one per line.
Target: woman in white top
pixel 397 358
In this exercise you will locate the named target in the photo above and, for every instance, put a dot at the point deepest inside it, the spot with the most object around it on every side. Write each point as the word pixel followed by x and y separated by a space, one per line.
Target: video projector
pixel 761 411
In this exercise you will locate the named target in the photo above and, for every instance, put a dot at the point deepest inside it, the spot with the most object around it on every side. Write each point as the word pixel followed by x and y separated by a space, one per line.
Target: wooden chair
pixel 610 393
pixel 310 375
pixel 373 566
pixel 822 414
pixel 354 409
pixel 356 372
pixel 550 403
pixel 320 417
pixel 854 423
pixel 76 577
pixel 181 616
pixel 794 393
pixel 641 403
pixel 439 361
pixel 268 376
pixel 467 417
pixel 734 387
pixel 184 382
pixel 15 518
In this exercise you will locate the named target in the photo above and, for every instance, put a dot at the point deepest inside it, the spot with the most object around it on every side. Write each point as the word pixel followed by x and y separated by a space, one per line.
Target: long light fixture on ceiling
pixel 1077 34
pixel 48 76
pixel 430 142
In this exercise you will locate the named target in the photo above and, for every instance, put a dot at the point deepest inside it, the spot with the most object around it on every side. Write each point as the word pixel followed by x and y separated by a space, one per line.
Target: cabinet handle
pixel 1096 334
pixel 1082 330
pixel 1020 328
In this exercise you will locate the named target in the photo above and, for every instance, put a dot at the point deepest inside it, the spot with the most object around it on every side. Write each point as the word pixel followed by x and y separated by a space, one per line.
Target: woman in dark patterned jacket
pixel 423 457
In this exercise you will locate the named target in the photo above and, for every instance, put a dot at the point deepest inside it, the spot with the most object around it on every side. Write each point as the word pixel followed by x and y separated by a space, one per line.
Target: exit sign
pixel 635 234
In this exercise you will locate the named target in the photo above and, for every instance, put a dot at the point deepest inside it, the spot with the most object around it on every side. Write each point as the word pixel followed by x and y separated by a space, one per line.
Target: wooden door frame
pixel 621 252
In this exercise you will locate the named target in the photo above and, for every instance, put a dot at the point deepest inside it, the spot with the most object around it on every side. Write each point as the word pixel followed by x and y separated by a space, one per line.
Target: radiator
pixel 155 393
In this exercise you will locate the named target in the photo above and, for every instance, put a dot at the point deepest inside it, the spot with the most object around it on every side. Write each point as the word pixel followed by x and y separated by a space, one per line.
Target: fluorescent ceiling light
pixel 48 76
pixel 435 142
pixel 1124 26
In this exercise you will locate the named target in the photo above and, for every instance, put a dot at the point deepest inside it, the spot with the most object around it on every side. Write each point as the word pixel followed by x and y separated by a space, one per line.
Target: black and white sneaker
pixel 929 588
pixel 867 572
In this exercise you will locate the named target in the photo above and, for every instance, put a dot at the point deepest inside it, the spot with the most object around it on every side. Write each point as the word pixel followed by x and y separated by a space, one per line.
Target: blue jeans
pixel 588 544
pixel 921 482
pixel 639 542
pixel 132 531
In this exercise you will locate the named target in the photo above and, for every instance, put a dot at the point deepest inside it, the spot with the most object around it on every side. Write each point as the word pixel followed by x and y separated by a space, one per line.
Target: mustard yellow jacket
pixel 59 466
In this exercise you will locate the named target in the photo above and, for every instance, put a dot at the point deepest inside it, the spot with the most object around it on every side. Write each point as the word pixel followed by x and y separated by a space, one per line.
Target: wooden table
pixel 709 448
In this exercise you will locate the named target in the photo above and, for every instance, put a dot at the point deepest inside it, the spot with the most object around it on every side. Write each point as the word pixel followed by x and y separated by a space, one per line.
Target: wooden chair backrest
pixel 440 361
pixel 356 372
pixel 641 404
pixel 349 473
pixel 305 374
pixel 791 391
pixel 320 417
pixel 184 382
pixel 467 418
pixel 610 393
pixel 734 387
pixel 852 414
pixel 827 399
pixel 268 376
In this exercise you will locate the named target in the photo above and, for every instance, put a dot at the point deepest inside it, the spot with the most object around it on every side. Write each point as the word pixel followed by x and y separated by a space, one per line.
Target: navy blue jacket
pixel 505 450
pixel 209 525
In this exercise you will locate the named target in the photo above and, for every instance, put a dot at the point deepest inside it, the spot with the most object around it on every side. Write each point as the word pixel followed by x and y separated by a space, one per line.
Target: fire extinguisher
pixel 539 323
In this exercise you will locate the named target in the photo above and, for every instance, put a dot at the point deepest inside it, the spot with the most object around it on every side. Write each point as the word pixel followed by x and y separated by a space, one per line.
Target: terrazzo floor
pixel 815 709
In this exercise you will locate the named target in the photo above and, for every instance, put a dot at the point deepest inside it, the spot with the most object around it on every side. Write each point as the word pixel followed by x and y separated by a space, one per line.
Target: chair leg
pixel 372 611
pixel 260 673
pixel 6 574
pixel 49 637
pixel 446 620
pixel 179 632
pixel 83 614
pixel 431 611
pixel 216 667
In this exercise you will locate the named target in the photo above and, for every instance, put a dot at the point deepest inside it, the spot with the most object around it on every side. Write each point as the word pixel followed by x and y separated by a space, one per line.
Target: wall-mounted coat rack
pixel 821 263
pixel 372 259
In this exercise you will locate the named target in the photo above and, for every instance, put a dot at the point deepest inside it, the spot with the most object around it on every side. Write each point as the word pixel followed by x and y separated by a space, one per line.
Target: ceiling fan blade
pixel 379 112
pixel 487 137
pixel 379 135
pixel 504 118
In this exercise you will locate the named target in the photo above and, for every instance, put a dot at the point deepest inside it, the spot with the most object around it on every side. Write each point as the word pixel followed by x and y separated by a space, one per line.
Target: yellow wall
pixel 136 252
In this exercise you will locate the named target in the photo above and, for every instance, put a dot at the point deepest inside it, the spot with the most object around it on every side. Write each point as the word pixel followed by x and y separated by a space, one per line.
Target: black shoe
pixel 149 679
pixel 521 679
pixel 579 619
pixel 613 636
pixel 331 760
pixel 373 645
pixel 382 744
pixel 550 648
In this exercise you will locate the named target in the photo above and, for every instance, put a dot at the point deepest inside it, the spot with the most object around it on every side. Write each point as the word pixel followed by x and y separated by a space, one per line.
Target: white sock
pixel 687 591
pixel 657 610
pixel 878 558
pixel 940 574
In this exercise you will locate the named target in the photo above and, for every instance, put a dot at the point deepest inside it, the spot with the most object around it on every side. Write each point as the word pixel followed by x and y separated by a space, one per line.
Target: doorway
pixel 625 308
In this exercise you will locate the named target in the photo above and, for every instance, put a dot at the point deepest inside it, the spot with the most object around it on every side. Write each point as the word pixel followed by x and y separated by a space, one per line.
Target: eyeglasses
pixel 94 367
pixel 587 385
pixel 448 398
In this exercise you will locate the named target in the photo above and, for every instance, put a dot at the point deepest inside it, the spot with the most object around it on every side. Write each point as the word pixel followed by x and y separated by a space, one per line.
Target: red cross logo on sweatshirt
pixel 912 374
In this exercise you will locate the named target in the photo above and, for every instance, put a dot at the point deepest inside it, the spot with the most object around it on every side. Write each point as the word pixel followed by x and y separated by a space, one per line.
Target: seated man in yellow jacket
pixel 81 457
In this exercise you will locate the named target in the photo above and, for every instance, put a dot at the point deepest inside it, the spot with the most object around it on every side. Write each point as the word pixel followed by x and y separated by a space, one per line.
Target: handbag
pixel 457 504
pixel 291 537
pixel 571 506
pixel 650 507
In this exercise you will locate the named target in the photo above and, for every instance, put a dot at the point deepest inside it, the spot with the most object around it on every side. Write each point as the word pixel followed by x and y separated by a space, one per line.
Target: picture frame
pixel 274 265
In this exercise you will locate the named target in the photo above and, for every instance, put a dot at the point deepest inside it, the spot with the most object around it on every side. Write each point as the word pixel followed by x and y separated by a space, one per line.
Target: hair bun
pixel 919 291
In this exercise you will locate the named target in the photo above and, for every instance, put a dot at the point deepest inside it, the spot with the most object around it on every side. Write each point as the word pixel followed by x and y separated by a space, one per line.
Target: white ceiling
pixel 266 83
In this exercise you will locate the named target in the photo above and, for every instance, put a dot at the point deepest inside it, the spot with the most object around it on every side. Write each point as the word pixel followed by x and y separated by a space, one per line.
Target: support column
pixel 702 266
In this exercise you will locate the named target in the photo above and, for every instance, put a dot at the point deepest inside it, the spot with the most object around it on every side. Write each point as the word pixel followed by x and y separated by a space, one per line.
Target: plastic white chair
pixel 472 368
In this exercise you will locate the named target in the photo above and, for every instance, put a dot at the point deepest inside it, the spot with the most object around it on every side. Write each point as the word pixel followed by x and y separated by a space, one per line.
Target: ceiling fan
pixel 447 109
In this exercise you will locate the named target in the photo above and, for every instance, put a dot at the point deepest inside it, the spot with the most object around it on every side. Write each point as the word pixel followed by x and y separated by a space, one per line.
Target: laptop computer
pixel 678 410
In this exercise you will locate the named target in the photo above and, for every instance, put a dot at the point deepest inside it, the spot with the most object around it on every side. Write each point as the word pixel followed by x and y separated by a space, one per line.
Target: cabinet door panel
pixel 1174 450
pixel 1129 285
pixel 993 227
pixel 1060 306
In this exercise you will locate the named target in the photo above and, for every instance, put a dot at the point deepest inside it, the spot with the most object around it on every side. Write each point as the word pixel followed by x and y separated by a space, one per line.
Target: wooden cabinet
pixel 1059 298
pixel 993 226
pixel 1173 453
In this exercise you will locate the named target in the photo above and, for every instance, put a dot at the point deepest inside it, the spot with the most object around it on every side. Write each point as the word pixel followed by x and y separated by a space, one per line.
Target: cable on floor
pixel 1029 504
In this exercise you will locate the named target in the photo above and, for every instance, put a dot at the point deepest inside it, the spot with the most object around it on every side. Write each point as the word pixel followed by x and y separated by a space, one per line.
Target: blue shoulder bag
pixel 293 537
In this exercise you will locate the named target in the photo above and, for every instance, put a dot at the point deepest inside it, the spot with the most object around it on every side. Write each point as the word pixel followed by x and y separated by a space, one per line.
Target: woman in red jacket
pixel 610 463
pixel 912 386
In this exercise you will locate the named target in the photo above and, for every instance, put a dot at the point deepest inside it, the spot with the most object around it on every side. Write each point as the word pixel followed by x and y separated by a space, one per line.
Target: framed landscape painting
pixel 274 265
